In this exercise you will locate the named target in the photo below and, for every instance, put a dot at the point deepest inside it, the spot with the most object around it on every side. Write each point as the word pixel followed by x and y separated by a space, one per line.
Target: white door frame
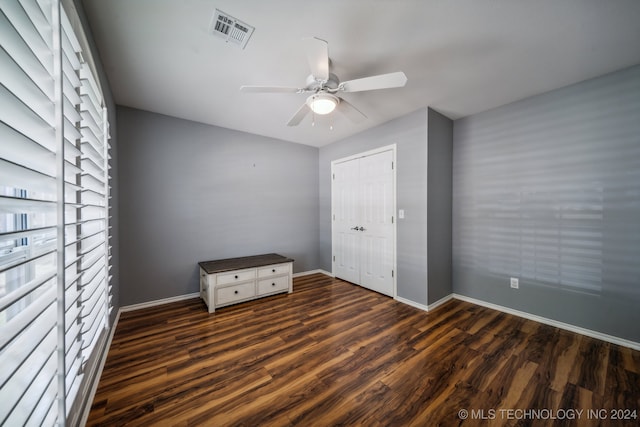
pixel 393 150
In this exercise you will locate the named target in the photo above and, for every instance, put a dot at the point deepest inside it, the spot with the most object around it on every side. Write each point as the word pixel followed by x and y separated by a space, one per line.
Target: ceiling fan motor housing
pixel 314 84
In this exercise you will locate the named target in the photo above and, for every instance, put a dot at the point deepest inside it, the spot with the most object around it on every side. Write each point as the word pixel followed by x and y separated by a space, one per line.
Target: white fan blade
pixel 318 57
pixel 382 81
pixel 299 115
pixel 350 112
pixel 269 89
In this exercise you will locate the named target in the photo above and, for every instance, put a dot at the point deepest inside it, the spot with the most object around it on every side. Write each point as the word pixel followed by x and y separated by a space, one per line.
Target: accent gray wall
pixel 548 190
pixel 423 187
pixel 192 192
pixel 409 133
pixel 439 190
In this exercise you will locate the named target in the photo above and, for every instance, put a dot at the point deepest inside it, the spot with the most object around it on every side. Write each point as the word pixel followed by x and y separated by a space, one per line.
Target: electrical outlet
pixel 514 283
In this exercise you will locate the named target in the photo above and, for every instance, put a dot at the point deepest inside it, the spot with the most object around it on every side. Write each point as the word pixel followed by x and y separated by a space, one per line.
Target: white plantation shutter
pixel 71 324
pixel 95 293
pixel 54 266
pixel 28 200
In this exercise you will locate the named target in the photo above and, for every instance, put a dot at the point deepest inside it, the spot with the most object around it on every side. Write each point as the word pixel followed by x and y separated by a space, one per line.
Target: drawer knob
pixel 235 292
pixel 273 284
pixel 274 270
pixel 236 276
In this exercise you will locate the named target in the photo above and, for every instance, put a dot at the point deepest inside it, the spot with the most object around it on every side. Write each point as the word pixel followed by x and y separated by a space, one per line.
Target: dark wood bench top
pixel 220 265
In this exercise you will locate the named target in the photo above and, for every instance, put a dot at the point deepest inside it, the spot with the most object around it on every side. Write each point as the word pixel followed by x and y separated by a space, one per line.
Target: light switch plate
pixel 401 213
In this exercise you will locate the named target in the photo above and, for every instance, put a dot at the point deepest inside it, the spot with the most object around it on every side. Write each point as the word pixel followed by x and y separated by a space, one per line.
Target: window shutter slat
pixel 38 390
pixel 16 176
pixel 24 346
pixel 31 154
pixel 90 87
pixel 28 371
pixel 20 52
pixel 25 29
pixel 20 117
pixel 40 16
pixel 21 85
pixel 46 412
pixel 43 304
pixel 70 112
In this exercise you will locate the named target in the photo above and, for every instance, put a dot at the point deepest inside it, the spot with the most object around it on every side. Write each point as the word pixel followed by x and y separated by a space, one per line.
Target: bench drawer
pixel 231 294
pixel 276 284
pixel 273 270
pixel 236 276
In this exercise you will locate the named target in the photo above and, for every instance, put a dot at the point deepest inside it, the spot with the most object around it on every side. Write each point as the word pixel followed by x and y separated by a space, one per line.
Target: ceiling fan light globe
pixel 323 103
pixel 323 106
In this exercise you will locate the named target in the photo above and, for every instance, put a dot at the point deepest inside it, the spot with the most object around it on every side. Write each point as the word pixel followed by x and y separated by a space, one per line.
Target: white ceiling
pixel 460 56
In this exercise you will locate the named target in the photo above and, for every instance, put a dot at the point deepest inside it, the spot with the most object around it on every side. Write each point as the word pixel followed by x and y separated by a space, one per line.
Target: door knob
pixel 355 228
pixel 362 229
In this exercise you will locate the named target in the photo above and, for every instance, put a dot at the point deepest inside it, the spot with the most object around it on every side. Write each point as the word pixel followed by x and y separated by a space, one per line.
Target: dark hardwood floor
pixel 332 353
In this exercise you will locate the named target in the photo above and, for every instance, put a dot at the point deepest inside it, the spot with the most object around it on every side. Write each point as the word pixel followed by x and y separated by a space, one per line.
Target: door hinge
pixel 391 273
pixel 334 217
pixel 334 257
pixel 333 175
pixel 392 165
pixel 391 219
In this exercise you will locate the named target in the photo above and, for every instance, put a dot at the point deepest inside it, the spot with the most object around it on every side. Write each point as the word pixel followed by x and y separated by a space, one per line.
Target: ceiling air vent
pixel 230 29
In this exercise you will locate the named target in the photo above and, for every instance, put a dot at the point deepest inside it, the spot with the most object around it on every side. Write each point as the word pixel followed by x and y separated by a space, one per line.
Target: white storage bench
pixel 230 281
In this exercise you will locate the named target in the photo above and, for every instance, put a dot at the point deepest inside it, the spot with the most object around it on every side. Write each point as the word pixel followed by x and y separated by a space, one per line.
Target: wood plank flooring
pixel 332 353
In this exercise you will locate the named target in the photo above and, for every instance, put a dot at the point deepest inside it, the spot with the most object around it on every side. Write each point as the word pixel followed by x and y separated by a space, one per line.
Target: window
pixel 54 253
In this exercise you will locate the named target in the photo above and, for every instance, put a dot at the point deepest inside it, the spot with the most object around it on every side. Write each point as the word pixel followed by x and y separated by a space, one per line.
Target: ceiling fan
pixel 324 85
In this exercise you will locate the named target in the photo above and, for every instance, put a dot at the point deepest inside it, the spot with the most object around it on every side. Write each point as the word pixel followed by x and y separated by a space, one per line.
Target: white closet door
pixel 363 232
pixel 376 212
pixel 346 239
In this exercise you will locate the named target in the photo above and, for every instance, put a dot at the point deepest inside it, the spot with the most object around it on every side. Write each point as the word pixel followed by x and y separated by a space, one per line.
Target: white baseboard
pixel 306 273
pixel 566 326
pixel 423 307
pixel 412 303
pixel 98 372
pixel 440 302
pixel 158 302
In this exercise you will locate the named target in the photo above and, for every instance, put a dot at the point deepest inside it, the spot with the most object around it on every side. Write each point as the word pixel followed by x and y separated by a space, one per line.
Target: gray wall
pixel 439 190
pixel 548 190
pixel 410 135
pixel 192 192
